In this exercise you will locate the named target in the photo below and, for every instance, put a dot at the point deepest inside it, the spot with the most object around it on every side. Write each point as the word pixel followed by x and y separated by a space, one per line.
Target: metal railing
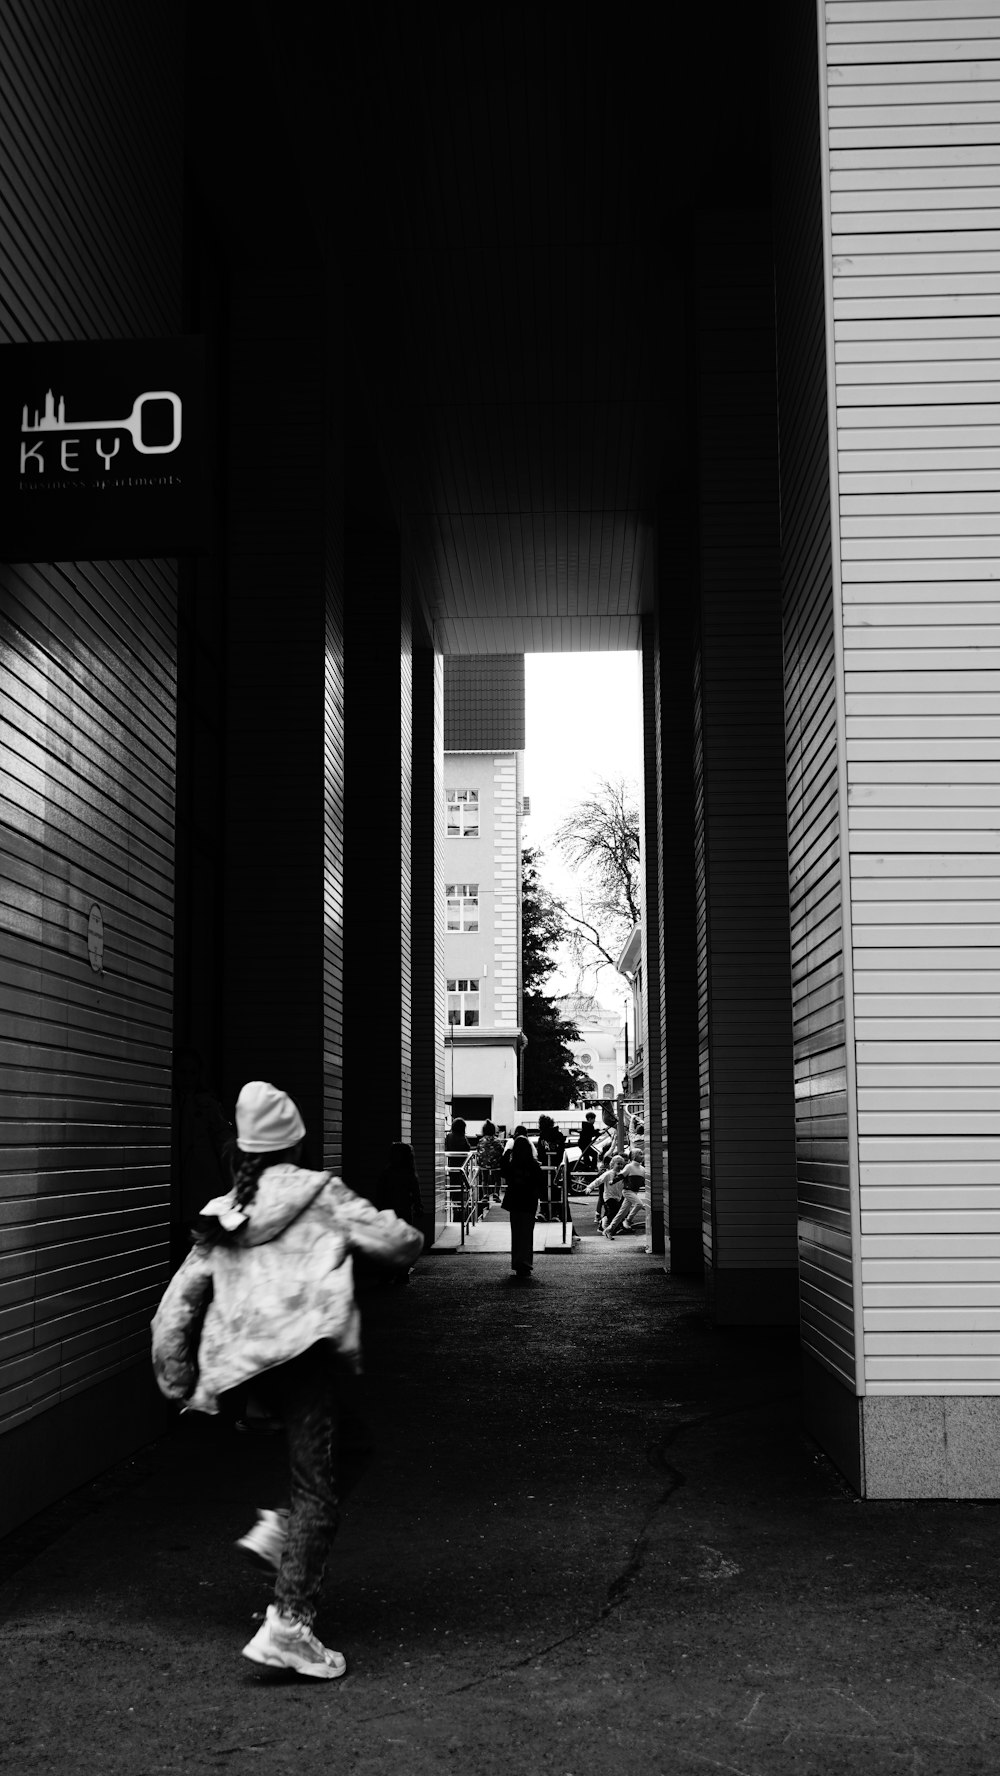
pixel 470 1187
pixel 557 1175
pixel 468 1192
pixel 556 1198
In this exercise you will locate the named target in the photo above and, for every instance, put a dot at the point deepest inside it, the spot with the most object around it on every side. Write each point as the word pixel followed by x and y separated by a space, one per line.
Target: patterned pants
pixel 329 1448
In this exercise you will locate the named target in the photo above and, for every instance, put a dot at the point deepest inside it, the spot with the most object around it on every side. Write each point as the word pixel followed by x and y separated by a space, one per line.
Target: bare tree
pixel 600 838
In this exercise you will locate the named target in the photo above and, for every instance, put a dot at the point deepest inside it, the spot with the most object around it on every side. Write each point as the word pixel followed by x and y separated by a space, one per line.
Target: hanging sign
pixel 103 450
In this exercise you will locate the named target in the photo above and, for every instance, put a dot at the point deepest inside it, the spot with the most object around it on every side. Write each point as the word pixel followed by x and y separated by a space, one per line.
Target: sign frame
pixel 105 450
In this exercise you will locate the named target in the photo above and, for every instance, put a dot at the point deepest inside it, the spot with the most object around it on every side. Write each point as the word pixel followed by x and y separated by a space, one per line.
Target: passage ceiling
pixel 509 315
pixel 505 197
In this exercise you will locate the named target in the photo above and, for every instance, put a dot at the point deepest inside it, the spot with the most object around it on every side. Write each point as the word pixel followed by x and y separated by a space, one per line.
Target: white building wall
pixel 493 953
pixel 486 1072
pixel 507 877
pixel 473 953
pixel 912 170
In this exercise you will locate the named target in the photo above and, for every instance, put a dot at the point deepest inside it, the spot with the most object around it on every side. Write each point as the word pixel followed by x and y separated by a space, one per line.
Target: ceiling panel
pixel 537 635
pixel 529 564
pixel 510 310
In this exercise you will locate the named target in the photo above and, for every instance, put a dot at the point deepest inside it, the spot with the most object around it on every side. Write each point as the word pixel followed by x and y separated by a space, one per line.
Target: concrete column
pixel 745 1007
pixel 671 671
pixel 377 805
pixel 279 755
pixel 427 999
pixel 652 960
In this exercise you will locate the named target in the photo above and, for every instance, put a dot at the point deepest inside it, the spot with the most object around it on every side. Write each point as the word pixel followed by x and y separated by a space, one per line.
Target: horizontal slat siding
pixel 701 930
pixel 652 892
pixel 914 110
pixel 333 842
pixel 826 1254
pixel 428 916
pixel 89 248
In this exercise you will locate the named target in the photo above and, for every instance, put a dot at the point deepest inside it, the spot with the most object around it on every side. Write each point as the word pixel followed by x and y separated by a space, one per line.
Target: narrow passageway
pixel 596 1540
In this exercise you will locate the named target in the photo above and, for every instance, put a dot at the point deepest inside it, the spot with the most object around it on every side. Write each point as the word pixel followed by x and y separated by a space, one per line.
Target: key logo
pixel 53 421
pixel 109 452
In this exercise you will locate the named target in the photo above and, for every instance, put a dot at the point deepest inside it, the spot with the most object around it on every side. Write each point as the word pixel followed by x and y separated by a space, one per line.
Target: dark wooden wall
pixel 277 594
pixel 260 977
pixel 378 790
pixel 826 1256
pixel 747 1103
pixel 333 768
pixel 90 247
pixel 674 686
pixel 427 974
pixel 652 959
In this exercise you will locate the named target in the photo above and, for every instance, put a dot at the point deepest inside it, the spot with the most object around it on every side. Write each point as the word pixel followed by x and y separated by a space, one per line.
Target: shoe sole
pixel 263 1562
pixel 288 1662
pixel 260 1561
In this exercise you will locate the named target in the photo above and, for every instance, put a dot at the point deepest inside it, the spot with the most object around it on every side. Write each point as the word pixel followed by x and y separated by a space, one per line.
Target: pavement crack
pixel 748 1717
pixel 619 1588
pixel 702 1759
pixel 658 1458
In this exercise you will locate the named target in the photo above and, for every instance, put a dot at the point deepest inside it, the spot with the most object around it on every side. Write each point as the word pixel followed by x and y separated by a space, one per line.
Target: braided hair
pixel 248 1168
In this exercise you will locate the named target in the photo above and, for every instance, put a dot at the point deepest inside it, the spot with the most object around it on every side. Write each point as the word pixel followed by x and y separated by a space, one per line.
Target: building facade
pixel 725 400
pixel 482 941
pixel 483 791
pixel 629 965
pixel 599 1047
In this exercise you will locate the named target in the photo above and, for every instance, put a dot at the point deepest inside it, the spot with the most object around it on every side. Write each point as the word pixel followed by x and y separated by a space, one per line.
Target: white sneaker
pixel 291 1646
pixel 264 1544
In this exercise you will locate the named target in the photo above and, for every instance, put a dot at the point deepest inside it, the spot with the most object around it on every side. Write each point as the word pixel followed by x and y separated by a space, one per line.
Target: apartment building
pixel 483 790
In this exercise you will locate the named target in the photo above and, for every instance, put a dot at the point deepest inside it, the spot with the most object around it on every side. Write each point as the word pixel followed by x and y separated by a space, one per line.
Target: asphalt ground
pixel 596 1540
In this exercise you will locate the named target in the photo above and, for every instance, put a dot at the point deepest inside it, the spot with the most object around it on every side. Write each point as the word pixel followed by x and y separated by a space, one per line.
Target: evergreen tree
pixel 551 1079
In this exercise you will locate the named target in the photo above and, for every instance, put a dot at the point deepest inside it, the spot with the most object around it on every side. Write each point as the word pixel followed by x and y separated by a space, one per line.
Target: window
pixel 463 906
pixel 463 1002
pixel 463 813
pixel 585 1060
pixel 472 1109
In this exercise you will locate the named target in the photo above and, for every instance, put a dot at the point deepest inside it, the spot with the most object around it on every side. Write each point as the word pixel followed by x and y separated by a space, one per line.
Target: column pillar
pixel 279 749
pixel 377 805
pixel 671 672
pixel 744 988
pixel 427 999
pixel 654 1072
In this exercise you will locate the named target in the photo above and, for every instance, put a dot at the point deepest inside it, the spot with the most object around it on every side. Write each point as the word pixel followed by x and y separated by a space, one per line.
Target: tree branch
pixel 590 932
pixel 601 837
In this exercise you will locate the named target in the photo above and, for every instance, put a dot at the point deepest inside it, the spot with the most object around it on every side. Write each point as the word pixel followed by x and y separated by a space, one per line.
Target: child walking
pixel 266 1295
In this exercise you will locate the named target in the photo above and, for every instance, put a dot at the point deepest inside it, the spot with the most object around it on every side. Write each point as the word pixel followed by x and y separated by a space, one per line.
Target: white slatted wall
pixel 913 90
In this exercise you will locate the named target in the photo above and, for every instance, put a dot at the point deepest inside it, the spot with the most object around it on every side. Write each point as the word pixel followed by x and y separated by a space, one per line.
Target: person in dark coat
pixel 490 1150
pixel 550 1147
pixel 205 1140
pixel 398 1189
pixel 525 1182
pixel 456 1147
pixel 398 1185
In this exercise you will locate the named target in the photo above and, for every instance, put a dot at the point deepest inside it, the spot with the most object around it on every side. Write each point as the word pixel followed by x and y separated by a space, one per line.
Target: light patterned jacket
pixel 282 1282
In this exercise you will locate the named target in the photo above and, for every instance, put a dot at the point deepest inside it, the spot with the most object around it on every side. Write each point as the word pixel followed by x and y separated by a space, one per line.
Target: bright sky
pixel 583 723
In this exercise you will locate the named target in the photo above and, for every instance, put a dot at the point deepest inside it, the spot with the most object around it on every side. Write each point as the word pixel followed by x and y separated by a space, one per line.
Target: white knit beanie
pixel 266 1119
